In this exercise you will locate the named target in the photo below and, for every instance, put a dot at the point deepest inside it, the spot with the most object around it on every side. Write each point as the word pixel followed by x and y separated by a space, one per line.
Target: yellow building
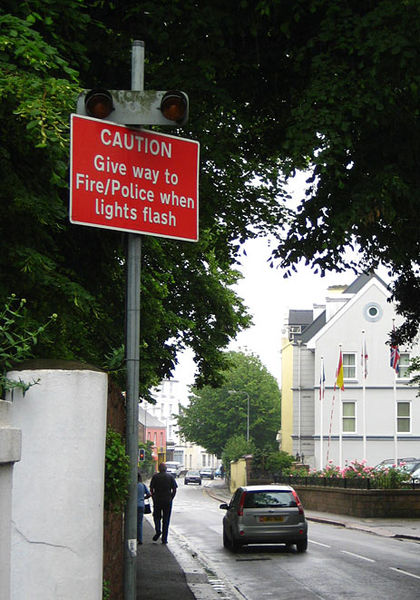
pixel 286 430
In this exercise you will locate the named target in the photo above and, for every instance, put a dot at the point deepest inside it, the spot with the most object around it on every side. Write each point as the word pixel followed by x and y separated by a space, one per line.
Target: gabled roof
pixel 148 420
pixel 311 329
pixel 361 281
pixel 314 327
pixel 300 317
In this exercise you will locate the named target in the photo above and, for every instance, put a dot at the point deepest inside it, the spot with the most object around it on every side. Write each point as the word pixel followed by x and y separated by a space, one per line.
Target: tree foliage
pixel 354 119
pixel 215 415
pixel 274 86
pixel 236 447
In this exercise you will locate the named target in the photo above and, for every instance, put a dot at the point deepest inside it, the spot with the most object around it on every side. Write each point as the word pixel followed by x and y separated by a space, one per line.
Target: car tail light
pixel 298 502
pixel 241 505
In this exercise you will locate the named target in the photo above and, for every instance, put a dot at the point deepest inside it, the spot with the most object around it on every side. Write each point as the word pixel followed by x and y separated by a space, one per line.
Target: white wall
pixel 346 328
pixel 57 530
pixel 10 452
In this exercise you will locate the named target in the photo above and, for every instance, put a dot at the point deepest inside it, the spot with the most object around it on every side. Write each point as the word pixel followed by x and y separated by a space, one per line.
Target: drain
pixel 220 587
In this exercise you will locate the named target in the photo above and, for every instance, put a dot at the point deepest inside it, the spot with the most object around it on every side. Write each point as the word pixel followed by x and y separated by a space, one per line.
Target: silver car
pixel 265 514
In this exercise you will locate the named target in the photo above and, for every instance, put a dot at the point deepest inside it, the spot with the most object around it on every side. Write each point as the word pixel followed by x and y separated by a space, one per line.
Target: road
pixel 339 564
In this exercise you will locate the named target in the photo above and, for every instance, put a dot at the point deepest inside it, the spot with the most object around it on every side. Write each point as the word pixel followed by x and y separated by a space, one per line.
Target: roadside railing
pixel 358 483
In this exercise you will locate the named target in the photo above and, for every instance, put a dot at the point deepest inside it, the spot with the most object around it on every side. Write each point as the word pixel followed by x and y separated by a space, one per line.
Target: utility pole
pixel 119 109
pixel 133 365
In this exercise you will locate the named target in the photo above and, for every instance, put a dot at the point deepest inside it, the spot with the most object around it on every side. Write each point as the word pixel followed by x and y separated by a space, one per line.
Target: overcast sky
pixel 269 297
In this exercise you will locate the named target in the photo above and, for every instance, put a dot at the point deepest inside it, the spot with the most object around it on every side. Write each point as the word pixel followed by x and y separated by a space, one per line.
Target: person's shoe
pixel 156 536
pixel 140 543
pixel 164 541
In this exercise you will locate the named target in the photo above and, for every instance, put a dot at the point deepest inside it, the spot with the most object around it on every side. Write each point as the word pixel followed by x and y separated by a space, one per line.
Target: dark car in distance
pixel 192 477
pixel 266 514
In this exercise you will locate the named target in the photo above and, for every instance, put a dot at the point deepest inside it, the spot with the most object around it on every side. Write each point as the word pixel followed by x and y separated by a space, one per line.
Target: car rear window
pixel 268 499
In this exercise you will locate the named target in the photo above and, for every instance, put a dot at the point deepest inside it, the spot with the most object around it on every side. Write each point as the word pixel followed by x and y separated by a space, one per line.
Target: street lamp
pixel 247 410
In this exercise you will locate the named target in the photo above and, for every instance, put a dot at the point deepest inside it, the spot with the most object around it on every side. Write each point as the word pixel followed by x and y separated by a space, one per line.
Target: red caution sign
pixel 133 180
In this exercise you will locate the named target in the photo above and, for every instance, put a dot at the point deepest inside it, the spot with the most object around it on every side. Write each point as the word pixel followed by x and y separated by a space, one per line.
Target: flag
pixel 395 354
pixel 395 358
pixel 339 382
pixel 364 358
pixel 322 382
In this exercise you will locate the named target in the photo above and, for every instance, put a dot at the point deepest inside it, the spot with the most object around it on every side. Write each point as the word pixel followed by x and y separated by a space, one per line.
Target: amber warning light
pixel 132 107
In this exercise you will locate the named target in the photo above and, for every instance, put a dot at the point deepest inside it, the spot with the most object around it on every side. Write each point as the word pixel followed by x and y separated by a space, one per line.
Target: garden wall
pixel 361 503
pixel 381 503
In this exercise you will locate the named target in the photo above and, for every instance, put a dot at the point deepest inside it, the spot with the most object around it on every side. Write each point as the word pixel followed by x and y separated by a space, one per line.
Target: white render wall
pixel 346 328
pixel 10 453
pixel 58 487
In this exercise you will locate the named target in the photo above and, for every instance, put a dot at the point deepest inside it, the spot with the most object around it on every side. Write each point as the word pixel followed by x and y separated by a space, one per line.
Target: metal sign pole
pixel 133 364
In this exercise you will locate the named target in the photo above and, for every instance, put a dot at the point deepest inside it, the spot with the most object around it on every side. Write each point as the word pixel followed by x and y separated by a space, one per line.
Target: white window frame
pixel 404 417
pixel 350 366
pixel 348 418
pixel 402 367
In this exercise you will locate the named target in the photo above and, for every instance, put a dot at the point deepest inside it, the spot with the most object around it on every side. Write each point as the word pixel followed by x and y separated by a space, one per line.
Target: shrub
pixel 117 472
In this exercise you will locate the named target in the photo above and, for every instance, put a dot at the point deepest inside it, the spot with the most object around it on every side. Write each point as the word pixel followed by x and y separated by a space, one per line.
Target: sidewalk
pixel 159 575
pixel 172 573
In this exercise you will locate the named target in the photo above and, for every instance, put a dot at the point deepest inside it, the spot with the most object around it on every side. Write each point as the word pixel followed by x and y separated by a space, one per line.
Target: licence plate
pixel 270 519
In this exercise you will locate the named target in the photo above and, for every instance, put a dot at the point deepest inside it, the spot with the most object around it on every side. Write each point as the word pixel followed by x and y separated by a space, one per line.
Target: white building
pixel 374 417
pixel 170 397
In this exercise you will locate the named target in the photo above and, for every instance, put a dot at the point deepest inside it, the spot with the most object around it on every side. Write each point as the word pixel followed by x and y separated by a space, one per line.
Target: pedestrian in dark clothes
pixel 163 489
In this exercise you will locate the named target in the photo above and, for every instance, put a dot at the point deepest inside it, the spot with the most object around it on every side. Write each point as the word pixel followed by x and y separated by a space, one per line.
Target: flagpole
pixel 395 357
pixel 395 420
pixel 321 415
pixel 364 391
pixel 340 425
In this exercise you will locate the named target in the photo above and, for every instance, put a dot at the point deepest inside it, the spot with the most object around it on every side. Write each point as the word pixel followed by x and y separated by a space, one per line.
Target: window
pixel 372 312
pixel 349 417
pixel 403 417
pixel 349 365
pixel 269 499
pixel 403 365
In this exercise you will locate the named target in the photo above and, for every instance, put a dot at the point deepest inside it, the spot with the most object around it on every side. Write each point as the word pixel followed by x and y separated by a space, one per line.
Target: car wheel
pixel 234 546
pixel 302 545
pixel 199 483
pixel 186 482
pixel 226 543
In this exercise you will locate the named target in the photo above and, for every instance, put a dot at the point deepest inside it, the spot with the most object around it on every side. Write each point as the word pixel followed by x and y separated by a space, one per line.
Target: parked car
pixel 390 462
pixel 181 470
pixel 207 472
pixel 218 472
pixel 172 467
pixel 267 514
pixel 415 476
pixel 408 465
pixel 192 477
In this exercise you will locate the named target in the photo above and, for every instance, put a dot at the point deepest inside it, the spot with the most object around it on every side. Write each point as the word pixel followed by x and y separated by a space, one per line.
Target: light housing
pixel 99 104
pixel 134 107
pixel 174 106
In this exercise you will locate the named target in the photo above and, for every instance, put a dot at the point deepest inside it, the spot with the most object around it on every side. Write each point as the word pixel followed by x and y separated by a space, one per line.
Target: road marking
pixel 404 572
pixel 358 556
pixel 319 544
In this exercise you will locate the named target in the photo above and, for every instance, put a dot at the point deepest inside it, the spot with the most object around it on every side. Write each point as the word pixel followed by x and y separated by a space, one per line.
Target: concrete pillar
pixel 57 530
pixel 10 451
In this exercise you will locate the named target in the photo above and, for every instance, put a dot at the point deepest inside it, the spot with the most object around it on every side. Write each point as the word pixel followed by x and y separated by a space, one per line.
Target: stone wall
pixel 361 503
